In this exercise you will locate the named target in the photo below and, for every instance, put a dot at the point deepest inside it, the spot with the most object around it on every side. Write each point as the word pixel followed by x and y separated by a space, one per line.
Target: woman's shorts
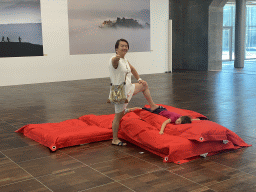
pixel 121 107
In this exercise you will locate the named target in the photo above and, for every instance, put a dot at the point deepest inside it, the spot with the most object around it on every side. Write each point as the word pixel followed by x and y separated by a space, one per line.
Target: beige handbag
pixel 117 93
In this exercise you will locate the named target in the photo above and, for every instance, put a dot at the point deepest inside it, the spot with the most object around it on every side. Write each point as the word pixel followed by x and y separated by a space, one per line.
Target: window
pixel 228 37
pixel 250 50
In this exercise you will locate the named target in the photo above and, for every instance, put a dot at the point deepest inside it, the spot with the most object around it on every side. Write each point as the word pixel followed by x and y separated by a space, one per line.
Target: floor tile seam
pixel 207 188
pixel 29 174
pixel 188 179
pixel 105 185
pixel 232 177
pixel 69 169
pixel 103 174
pixel 148 162
pixel 20 147
pixel 32 159
pixel 17 182
pixel 37 116
pixel 9 123
pixel 3 121
pixel 141 174
pixel 99 162
pixel 130 178
pixel 232 167
pixel 247 136
pixel 249 173
pixel 109 160
pixel 142 159
pixel 219 182
pixel 91 147
pixel 251 152
pixel 97 186
pixel 14 126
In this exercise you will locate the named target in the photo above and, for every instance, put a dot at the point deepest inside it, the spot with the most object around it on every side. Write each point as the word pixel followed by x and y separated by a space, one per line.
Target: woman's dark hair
pixel 185 119
pixel 118 41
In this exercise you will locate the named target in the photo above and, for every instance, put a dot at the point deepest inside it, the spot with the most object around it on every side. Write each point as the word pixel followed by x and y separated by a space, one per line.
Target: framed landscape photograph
pixel 20 28
pixel 95 25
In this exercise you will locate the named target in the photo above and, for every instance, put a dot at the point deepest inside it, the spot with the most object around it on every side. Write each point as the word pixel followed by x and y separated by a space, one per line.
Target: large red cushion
pixel 199 130
pixel 179 143
pixel 104 121
pixel 67 133
pixel 172 148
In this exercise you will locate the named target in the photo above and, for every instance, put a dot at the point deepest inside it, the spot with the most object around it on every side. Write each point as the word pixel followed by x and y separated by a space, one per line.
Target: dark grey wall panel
pixel 197 34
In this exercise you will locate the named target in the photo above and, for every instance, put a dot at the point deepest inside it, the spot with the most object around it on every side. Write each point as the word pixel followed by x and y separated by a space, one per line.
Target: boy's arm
pixel 164 125
pixel 195 119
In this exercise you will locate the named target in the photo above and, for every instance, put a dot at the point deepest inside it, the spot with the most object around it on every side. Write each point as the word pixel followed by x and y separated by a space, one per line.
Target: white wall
pixel 170 46
pixel 58 65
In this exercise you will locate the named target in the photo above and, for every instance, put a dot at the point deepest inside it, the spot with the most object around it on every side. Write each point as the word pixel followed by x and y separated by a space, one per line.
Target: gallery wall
pixel 58 65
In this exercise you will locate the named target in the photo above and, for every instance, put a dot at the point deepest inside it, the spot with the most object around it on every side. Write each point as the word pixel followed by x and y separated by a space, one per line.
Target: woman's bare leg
pixel 115 127
pixel 145 90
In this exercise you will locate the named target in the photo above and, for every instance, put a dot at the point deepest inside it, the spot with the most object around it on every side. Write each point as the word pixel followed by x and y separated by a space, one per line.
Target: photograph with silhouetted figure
pixel 20 29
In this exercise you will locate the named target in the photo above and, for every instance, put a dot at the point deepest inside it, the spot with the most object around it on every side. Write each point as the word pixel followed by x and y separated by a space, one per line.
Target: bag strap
pixel 125 77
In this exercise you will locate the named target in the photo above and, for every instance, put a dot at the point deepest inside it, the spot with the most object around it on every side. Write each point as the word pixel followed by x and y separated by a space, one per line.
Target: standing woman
pixel 118 68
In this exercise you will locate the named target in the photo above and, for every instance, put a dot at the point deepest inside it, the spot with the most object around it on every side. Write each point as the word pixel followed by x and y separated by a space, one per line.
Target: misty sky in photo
pixel 85 17
pixel 98 10
pixel 21 18
pixel 28 32
pixel 20 11
pixel 121 5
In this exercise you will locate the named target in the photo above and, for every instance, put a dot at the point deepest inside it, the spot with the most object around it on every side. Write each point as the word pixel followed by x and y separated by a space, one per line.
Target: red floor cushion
pixel 178 144
pixel 64 134
pixel 200 130
pixel 172 148
pixel 104 121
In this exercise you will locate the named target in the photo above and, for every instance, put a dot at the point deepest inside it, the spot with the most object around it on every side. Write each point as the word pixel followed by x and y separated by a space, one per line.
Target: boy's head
pixel 183 120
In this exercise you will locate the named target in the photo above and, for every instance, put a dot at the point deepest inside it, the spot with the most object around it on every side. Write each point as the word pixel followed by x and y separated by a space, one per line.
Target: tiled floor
pixel 227 97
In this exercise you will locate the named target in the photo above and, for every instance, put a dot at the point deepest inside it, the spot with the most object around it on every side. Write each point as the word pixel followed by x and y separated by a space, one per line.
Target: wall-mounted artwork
pixel 20 28
pixel 95 25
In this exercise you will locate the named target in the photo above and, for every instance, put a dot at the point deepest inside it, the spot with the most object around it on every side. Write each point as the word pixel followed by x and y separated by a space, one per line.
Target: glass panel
pixel 233 43
pixel 250 50
pixel 226 44
pixel 228 37
pixel 227 15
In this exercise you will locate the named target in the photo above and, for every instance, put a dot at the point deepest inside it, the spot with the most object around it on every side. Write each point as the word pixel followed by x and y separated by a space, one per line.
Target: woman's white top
pixel 117 76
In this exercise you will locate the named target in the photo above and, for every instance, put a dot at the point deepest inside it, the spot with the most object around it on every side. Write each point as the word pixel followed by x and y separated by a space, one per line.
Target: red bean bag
pixel 86 129
pixel 199 130
pixel 179 143
pixel 104 121
pixel 64 134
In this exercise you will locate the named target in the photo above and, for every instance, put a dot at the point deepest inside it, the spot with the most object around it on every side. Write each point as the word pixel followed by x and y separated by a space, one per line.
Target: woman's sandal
pixel 121 143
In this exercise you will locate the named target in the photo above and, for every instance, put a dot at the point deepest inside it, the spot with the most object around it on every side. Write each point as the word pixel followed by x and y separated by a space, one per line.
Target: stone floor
pixel 227 97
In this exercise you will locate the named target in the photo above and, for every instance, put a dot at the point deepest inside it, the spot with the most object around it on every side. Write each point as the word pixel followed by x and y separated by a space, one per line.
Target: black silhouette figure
pixel 3 39
pixel 20 39
pixel 8 40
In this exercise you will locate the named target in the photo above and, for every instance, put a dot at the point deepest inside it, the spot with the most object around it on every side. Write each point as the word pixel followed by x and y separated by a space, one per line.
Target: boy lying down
pixel 172 117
